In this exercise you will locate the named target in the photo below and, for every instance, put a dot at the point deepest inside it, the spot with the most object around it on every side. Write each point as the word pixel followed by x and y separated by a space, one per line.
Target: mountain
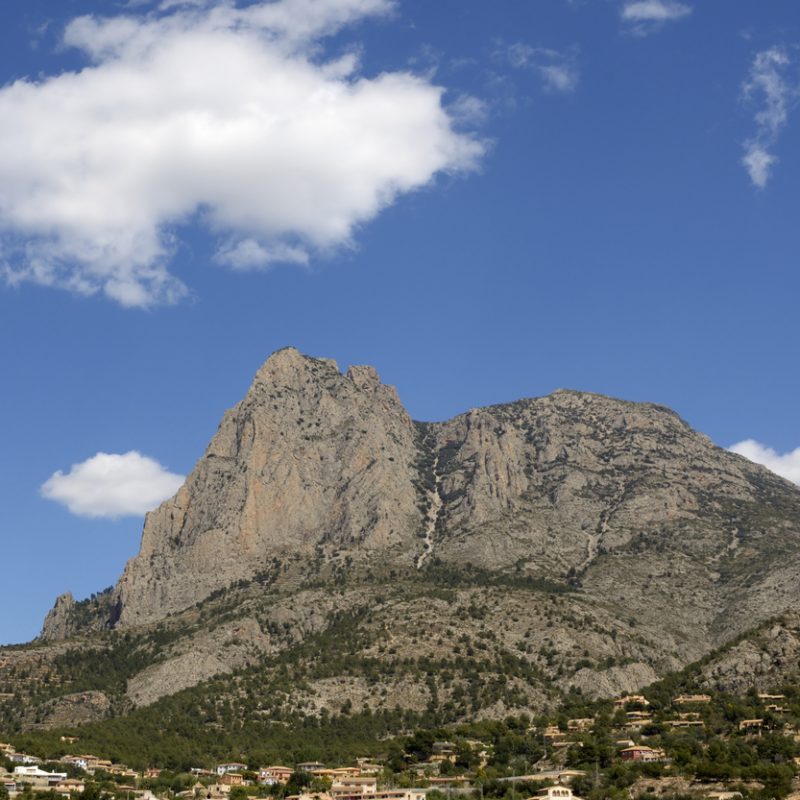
pixel 473 567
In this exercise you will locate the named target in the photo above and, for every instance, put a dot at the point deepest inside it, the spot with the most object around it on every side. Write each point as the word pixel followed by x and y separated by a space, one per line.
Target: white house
pixel 556 793
pixel 234 766
pixel 38 778
pixel 23 758
pixel 80 762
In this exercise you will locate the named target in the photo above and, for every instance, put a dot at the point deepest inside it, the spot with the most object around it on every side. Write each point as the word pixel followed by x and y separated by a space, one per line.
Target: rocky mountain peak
pixel 288 365
pixel 309 462
pixel 322 476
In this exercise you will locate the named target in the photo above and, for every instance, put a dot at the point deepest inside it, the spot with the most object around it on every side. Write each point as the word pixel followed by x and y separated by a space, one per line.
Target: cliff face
pixel 318 483
pixel 309 463
pixel 555 482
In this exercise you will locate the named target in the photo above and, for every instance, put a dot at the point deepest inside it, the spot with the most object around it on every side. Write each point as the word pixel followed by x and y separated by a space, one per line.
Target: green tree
pixel 298 782
pixel 91 792
pixel 420 745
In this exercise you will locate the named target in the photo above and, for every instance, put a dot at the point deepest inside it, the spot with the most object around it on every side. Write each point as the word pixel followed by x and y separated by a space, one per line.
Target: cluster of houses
pixel 641 716
pixel 772 703
pixel 27 771
pixel 360 781
pixel 356 782
pixel 627 749
pixel 637 715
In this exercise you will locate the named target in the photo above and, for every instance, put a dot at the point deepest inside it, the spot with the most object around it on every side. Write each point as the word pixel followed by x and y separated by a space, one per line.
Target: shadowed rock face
pixel 315 474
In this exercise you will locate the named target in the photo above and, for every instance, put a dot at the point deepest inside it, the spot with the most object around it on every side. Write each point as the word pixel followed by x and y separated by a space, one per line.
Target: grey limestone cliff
pixel 311 462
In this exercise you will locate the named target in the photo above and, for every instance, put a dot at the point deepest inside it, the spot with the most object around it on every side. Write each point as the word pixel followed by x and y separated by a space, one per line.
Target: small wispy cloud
pixel 112 485
pixel 758 162
pixel 786 465
pixel 557 70
pixel 468 110
pixel 768 87
pixel 249 254
pixel 646 16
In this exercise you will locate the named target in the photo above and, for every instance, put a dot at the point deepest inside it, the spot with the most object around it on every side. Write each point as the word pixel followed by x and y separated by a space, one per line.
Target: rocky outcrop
pixel 764 660
pixel 71 710
pixel 69 617
pixel 59 622
pixel 210 653
pixel 612 682
pixel 554 483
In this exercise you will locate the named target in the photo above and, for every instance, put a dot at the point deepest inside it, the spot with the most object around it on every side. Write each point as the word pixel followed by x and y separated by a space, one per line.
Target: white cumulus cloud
pixel 786 465
pixel 203 112
pixel 767 86
pixel 112 485
pixel 646 16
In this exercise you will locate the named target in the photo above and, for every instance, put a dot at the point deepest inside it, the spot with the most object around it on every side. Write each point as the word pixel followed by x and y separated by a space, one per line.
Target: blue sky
pixel 599 195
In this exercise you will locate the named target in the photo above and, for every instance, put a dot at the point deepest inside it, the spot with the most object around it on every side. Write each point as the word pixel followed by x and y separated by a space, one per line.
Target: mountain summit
pixel 572 521
pixel 309 465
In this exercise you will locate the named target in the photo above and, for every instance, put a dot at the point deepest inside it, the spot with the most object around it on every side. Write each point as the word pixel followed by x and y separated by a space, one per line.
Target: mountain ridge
pixel 547 535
